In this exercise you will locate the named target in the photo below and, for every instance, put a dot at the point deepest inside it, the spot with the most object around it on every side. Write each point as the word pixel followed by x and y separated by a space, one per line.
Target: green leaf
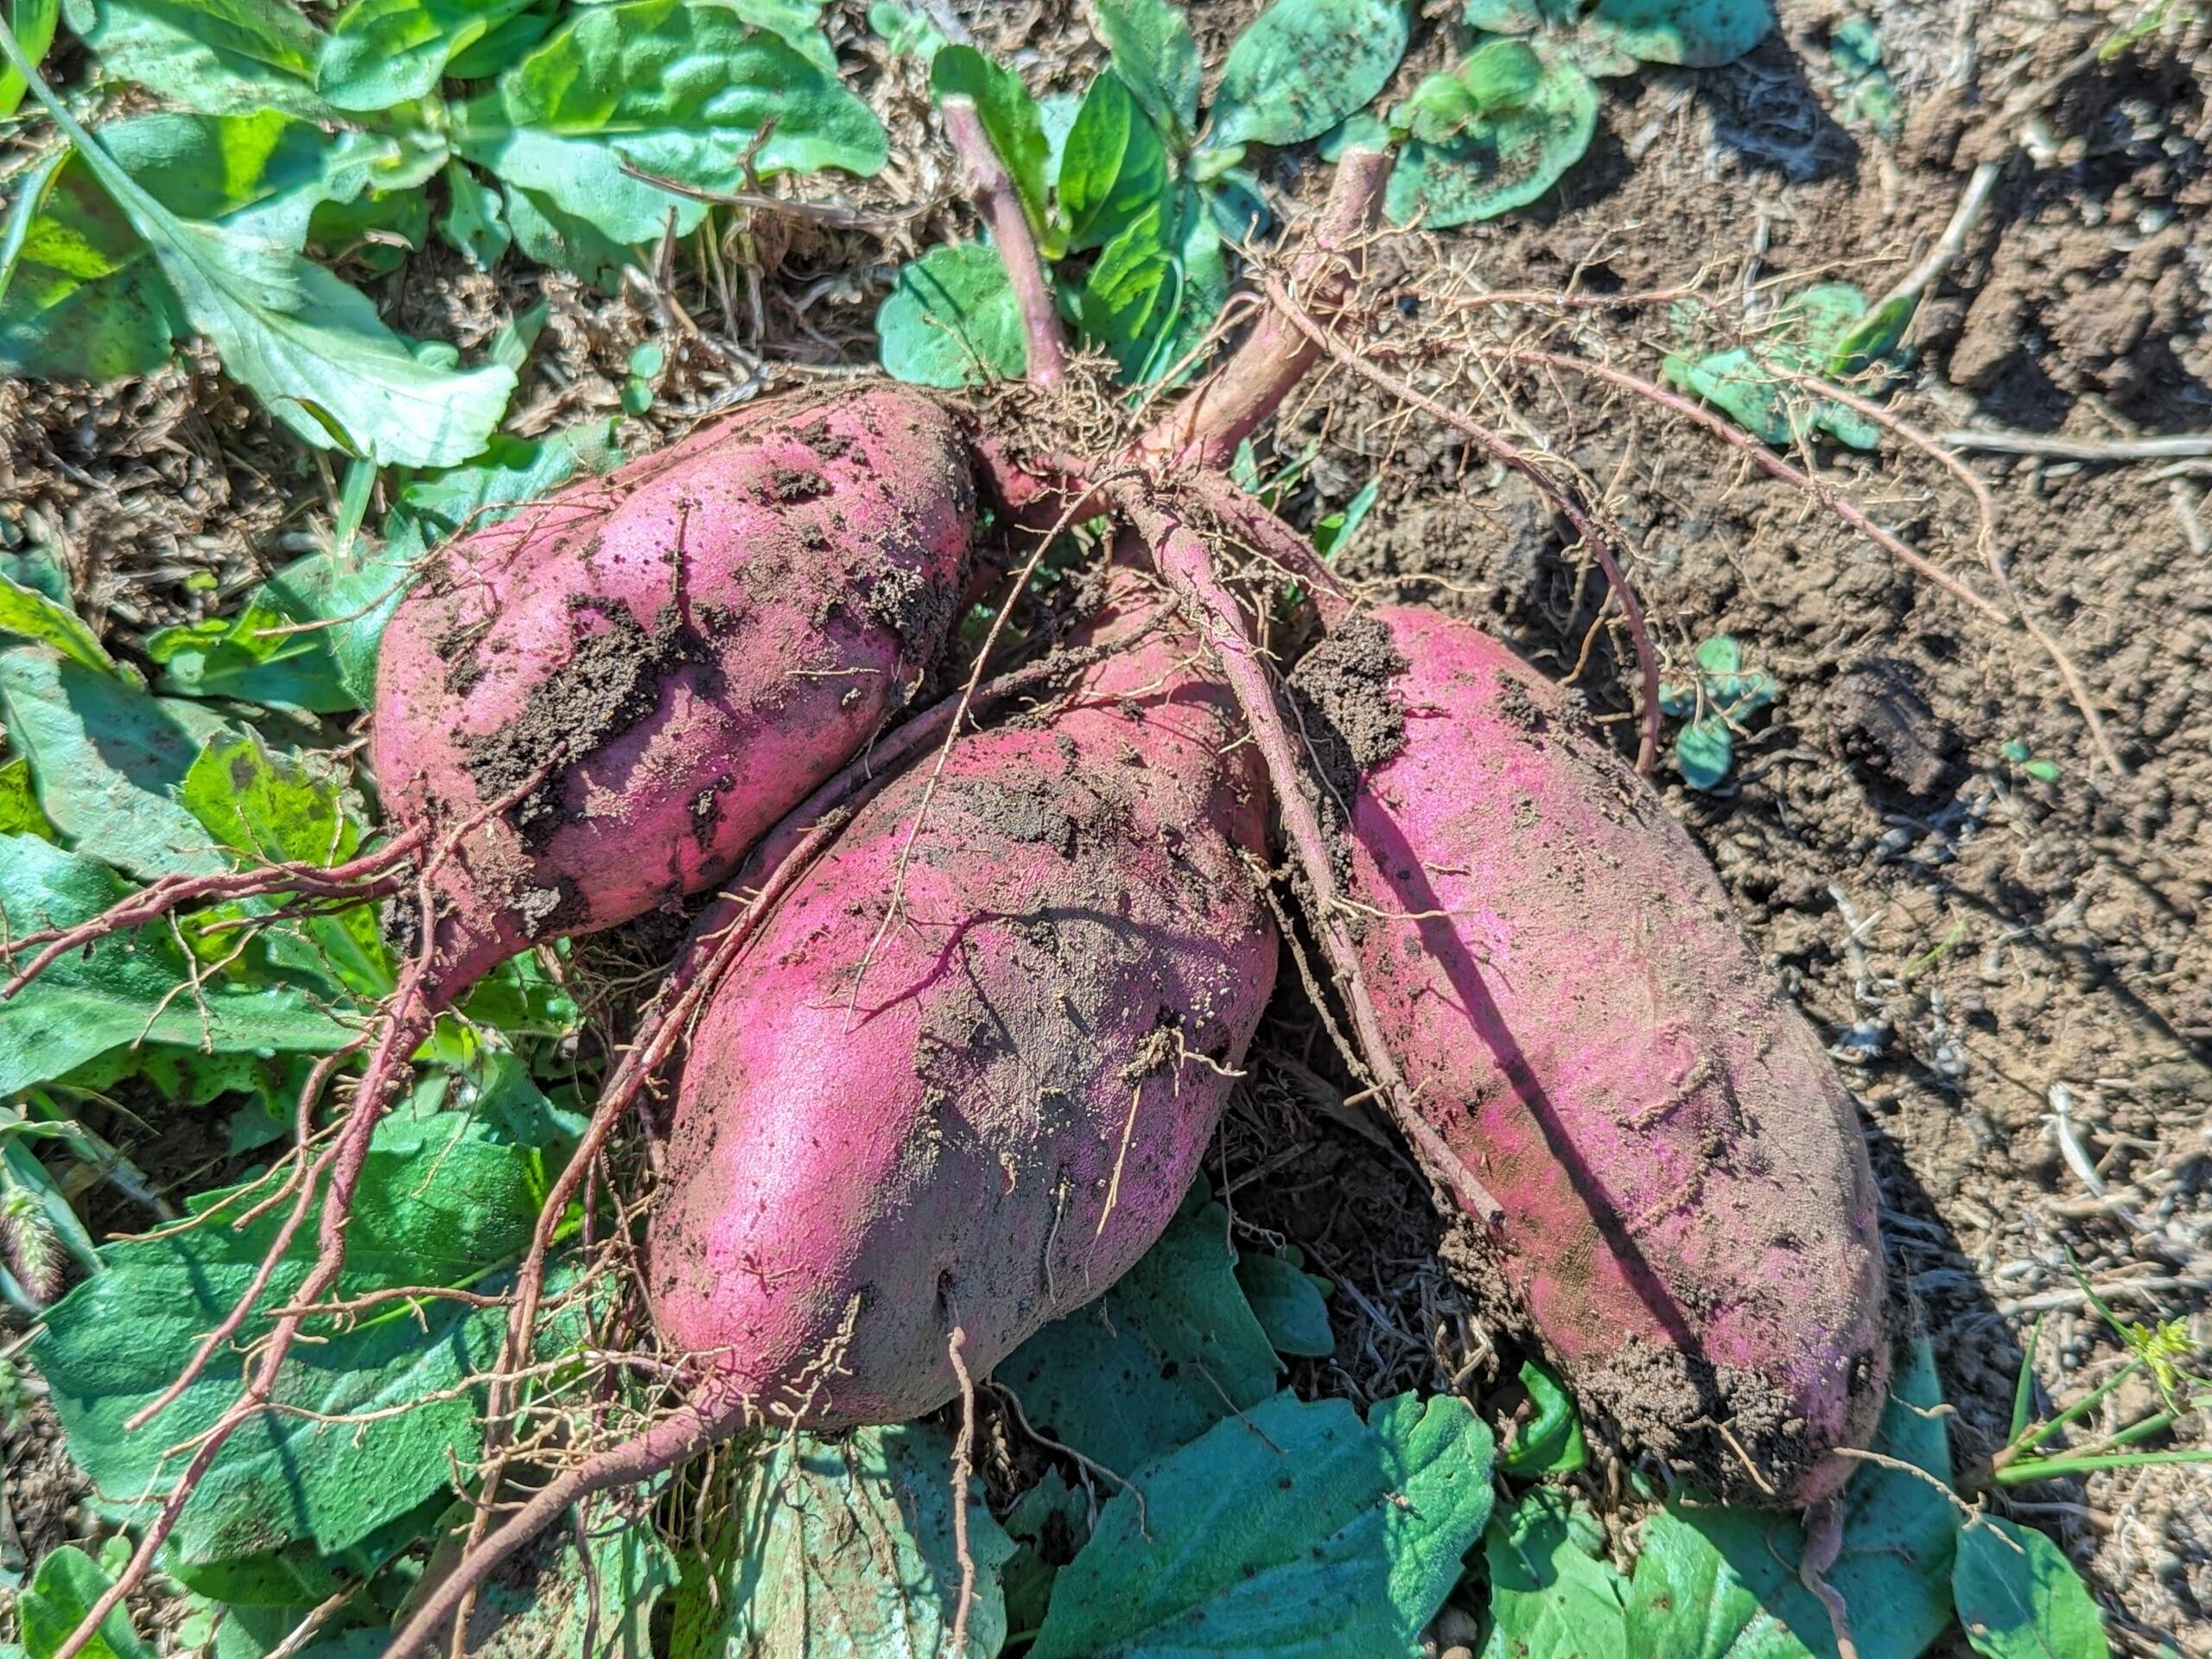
pixel 1293 1529
pixel 1550 1442
pixel 503 44
pixel 26 613
pixel 679 88
pixel 1553 1594
pixel 1826 330
pixel 1011 118
pixel 556 1606
pixel 473 222
pixel 1157 288
pixel 125 991
pixel 297 1576
pixel 508 475
pixel 1287 1303
pixel 1047 1524
pixel 908 33
pixel 34 22
pixel 1519 16
pixel 219 57
pixel 2019 1598
pixel 263 655
pixel 1498 159
pixel 106 757
pixel 1156 58
pixel 380 52
pixel 1713 1581
pixel 312 348
pixel 20 812
pixel 950 319
pixel 1695 33
pixel 374 233
pixel 843 1549
pixel 1170 1350
pixel 1114 168
pixel 1705 751
pixel 441 1203
pixel 68 1582
pixel 85 297
pixel 1302 67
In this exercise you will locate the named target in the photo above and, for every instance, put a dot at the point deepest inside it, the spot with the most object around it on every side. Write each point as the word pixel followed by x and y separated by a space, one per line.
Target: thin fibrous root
pixel 361 879
pixel 1272 539
pixel 1185 559
pixel 1494 444
pixel 963 1462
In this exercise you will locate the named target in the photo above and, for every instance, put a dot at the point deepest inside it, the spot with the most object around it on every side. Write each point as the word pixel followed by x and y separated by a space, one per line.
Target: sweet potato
pixel 683 650
pixel 1689 1219
pixel 983 1120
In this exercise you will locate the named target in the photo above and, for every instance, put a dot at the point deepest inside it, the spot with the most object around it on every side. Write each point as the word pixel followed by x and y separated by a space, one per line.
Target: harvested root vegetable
pixel 973 1114
pixel 1689 1217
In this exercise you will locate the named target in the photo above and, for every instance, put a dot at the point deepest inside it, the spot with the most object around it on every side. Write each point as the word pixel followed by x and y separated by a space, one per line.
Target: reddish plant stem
pixel 1000 204
pixel 362 878
pixel 1600 544
pixel 1187 563
pixel 1203 430
pixel 1271 537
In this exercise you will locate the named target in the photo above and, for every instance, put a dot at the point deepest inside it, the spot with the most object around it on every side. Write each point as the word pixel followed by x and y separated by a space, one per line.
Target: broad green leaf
pixel 950 319
pixel 1550 1442
pixel 1287 1303
pixel 85 297
pixel 125 991
pixel 1705 751
pixel 219 57
pixel 557 1605
pixel 1553 1594
pixel 507 477
pixel 1157 59
pixel 1302 67
pixel 106 758
pixel 296 1575
pixel 1695 33
pixel 374 233
pixel 1498 159
pixel 1048 1523
pixel 441 1203
pixel 1166 1353
pixel 20 812
pixel 55 1602
pixel 26 613
pixel 503 44
pixel 1114 168
pixel 1011 119
pixel 1133 288
pixel 2019 1598
pixel 312 348
pixel 1519 16
pixel 1721 1582
pixel 549 235
pixel 1293 1529
pixel 843 1549
pixel 680 88
pixel 34 22
pixel 380 52
pixel 474 222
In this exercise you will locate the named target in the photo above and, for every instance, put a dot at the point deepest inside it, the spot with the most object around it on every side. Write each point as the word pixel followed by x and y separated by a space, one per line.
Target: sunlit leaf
pixel 950 319
pixel 1302 67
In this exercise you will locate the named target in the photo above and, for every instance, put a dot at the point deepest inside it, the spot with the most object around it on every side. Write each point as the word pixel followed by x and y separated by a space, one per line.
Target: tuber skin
pixel 989 1120
pixel 690 661
pixel 1689 1219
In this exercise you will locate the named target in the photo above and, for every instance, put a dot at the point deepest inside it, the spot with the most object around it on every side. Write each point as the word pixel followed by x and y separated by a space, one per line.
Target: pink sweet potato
pixel 990 1124
pixel 1689 1219
pixel 685 648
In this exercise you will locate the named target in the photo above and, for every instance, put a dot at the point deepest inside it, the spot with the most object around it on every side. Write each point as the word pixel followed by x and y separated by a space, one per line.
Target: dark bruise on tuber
pixel 969 1009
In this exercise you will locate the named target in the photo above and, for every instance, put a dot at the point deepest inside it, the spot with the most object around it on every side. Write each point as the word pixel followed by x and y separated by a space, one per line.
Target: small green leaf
pixel 1115 167
pixel 20 812
pixel 1695 33
pixel 2019 1598
pixel 68 1582
pixel 844 1549
pixel 1156 57
pixel 219 57
pixel 26 613
pixel 34 22
pixel 1167 1352
pixel 1291 1528
pixel 1302 67
pixel 1287 1303
pixel 473 223
pixel 1553 1594
pixel 380 52
pixel 1011 119
pixel 1722 653
pixel 907 32
pixel 1550 1442
pixel 1496 159
pixel 950 319
pixel 1704 750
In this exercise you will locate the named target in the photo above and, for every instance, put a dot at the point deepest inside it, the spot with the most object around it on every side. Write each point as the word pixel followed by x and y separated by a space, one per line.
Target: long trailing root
pixel 1186 560
pixel 370 876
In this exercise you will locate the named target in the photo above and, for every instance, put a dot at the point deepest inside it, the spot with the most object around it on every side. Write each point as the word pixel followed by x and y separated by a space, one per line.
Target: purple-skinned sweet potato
pixel 988 1126
pixel 1688 1221
pixel 684 648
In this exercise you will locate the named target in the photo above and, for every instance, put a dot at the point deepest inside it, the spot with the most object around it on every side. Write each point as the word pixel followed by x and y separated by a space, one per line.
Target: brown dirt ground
pixel 1972 938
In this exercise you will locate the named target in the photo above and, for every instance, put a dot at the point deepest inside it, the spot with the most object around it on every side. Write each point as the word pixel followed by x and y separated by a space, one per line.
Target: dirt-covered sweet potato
pixel 683 649
pixel 981 1115
pixel 1688 1216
